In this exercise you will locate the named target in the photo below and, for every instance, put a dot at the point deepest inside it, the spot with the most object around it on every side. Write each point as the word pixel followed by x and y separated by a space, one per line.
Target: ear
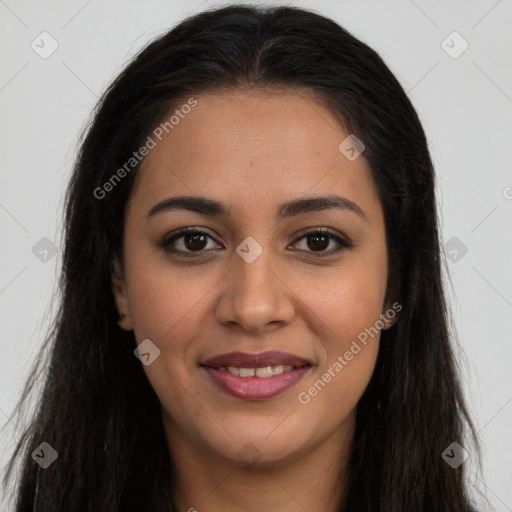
pixel 120 295
pixel 390 313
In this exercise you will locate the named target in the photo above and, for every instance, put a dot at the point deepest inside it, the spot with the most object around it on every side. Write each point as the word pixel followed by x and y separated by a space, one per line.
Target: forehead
pixel 252 146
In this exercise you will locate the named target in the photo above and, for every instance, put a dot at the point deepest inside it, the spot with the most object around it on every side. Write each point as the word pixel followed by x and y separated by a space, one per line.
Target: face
pixel 255 278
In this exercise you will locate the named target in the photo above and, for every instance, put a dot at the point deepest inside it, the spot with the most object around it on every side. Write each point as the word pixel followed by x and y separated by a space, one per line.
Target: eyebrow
pixel 212 207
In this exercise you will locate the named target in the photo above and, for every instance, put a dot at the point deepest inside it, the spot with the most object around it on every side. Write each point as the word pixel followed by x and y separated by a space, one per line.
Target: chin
pixel 261 450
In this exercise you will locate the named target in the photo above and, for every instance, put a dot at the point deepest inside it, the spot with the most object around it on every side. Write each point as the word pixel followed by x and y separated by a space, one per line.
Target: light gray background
pixel 465 105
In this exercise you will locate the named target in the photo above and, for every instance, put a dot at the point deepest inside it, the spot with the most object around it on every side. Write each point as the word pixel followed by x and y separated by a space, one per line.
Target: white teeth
pixel 265 371
pixel 246 372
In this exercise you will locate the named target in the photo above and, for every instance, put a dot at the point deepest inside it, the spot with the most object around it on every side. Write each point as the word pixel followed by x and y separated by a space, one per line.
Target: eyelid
pixel 324 230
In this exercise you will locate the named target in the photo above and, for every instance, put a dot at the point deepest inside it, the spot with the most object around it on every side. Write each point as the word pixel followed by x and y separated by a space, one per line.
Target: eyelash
pixel 167 242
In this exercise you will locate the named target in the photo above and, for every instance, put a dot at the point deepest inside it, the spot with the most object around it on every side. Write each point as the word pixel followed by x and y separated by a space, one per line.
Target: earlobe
pixel 390 314
pixel 388 323
pixel 120 295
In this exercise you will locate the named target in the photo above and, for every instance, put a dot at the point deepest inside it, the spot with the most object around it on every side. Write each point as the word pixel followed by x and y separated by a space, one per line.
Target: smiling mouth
pixel 255 376
pixel 255 383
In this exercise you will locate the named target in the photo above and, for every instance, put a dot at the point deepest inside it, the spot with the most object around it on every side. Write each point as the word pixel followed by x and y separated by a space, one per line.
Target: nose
pixel 256 296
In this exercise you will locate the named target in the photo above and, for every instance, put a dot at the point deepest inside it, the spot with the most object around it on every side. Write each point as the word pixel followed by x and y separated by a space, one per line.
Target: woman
pixel 253 314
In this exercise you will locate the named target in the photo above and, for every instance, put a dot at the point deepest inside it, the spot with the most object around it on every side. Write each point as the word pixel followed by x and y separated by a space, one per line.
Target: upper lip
pixel 246 360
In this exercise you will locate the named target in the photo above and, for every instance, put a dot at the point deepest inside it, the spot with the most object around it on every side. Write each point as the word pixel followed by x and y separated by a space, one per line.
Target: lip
pixel 246 360
pixel 255 388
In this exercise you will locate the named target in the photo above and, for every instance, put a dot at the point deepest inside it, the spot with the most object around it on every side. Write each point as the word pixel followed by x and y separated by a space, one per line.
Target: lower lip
pixel 255 388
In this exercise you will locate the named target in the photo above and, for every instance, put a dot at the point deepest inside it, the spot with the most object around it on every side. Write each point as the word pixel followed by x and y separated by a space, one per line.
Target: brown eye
pixel 319 239
pixel 318 242
pixel 186 242
pixel 194 241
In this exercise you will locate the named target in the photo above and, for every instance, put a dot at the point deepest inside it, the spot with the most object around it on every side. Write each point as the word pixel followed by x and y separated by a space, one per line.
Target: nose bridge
pixel 254 295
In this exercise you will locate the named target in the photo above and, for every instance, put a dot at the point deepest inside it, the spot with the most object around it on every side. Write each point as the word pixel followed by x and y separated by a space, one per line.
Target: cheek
pixel 348 330
pixel 347 308
pixel 165 307
pixel 346 300
pixel 164 298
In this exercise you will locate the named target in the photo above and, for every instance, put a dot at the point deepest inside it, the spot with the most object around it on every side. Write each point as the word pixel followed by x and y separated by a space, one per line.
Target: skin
pixel 255 150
